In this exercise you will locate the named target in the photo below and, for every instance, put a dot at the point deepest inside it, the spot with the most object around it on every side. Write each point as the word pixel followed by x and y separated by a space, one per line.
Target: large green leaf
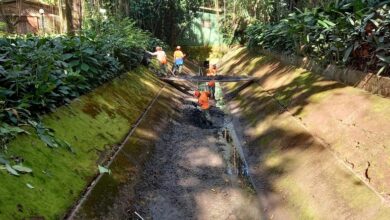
pixel 382 69
pixel 84 67
pixel 11 170
pixel 48 140
pixel 22 169
pixel 3 161
pixel 322 23
pixel 385 59
pixel 67 56
pixel 329 23
pixel 347 53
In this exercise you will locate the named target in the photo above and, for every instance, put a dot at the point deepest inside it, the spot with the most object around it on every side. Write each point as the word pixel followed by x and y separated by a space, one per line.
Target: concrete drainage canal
pixel 187 170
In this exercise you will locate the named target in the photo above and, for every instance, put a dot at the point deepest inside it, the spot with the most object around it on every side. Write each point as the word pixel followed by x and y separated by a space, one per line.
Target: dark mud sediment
pixel 189 175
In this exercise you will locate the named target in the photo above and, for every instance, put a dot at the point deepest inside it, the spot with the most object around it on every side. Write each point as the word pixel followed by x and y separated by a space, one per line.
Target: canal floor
pixel 193 173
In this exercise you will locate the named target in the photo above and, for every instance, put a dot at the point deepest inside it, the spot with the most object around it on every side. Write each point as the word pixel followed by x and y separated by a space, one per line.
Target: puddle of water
pixel 236 167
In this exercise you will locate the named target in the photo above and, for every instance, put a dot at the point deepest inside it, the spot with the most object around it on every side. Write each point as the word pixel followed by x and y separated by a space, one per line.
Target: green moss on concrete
pixel 126 170
pixel 91 124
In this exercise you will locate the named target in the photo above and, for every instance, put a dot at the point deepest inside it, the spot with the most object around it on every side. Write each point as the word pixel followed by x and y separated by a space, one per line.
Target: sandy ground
pixel 188 174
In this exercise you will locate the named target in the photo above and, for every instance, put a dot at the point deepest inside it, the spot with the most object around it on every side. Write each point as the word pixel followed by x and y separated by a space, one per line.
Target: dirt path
pixel 189 175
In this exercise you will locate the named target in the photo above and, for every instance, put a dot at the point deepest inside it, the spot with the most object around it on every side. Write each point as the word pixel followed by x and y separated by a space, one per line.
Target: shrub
pixel 39 74
pixel 356 35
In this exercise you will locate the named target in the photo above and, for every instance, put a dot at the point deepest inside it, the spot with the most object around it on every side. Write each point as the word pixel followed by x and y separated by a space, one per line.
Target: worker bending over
pixel 204 104
pixel 211 88
pixel 162 59
pixel 212 72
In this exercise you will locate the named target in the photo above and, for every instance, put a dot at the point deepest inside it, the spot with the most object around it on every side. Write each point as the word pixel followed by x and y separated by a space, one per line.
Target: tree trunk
pixel 81 6
pixel 216 5
pixel 69 17
pixel 123 6
pixel 60 15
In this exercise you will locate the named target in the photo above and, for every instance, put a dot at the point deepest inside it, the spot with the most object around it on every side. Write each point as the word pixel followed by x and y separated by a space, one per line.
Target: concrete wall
pixel 93 125
pixel 317 149
pixel 367 81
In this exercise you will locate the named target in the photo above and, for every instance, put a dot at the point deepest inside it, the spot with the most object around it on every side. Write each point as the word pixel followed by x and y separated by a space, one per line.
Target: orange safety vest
pixel 163 60
pixel 203 100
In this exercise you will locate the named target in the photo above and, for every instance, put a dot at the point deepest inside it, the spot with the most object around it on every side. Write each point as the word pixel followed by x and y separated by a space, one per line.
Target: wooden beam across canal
pixel 207 78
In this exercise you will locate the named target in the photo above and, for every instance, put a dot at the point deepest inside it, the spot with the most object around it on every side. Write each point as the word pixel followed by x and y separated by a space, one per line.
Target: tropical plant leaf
pixel 48 140
pixel 67 56
pixel 385 59
pixel 347 53
pixel 374 22
pixel 22 169
pixel 84 67
pixel 11 170
pixel 3 161
pixel 322 23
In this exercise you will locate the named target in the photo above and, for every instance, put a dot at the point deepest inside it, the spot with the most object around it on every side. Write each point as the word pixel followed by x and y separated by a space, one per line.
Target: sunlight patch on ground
pixel 189 182
pixel 214 203
pixel 203 156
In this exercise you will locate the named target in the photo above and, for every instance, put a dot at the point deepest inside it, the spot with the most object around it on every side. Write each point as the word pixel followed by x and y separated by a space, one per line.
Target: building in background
pixel 23 17
pixel 204 29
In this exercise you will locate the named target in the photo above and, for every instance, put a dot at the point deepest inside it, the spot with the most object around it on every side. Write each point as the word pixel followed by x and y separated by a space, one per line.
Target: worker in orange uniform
pixel 178 60
pixel 211 88
pixel 162 59
pixel 212 72
pixel 204 104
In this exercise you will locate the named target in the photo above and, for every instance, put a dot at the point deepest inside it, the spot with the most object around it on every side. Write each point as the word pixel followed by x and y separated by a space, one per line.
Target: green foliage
pixel 353 33
pixel 164 19
pixel 119 38
pixel 16 169
pixel 238 14
pixel 270 36
pixel 3 29
pixel 39 74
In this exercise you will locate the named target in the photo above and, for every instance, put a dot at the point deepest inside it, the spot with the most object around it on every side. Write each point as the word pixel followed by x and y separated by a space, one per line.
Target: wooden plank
pixel 207 79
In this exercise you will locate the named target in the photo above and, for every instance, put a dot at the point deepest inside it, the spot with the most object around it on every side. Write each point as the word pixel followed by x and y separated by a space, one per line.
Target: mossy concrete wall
pixel 317 149
pixel 92 124
pixel 112 196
